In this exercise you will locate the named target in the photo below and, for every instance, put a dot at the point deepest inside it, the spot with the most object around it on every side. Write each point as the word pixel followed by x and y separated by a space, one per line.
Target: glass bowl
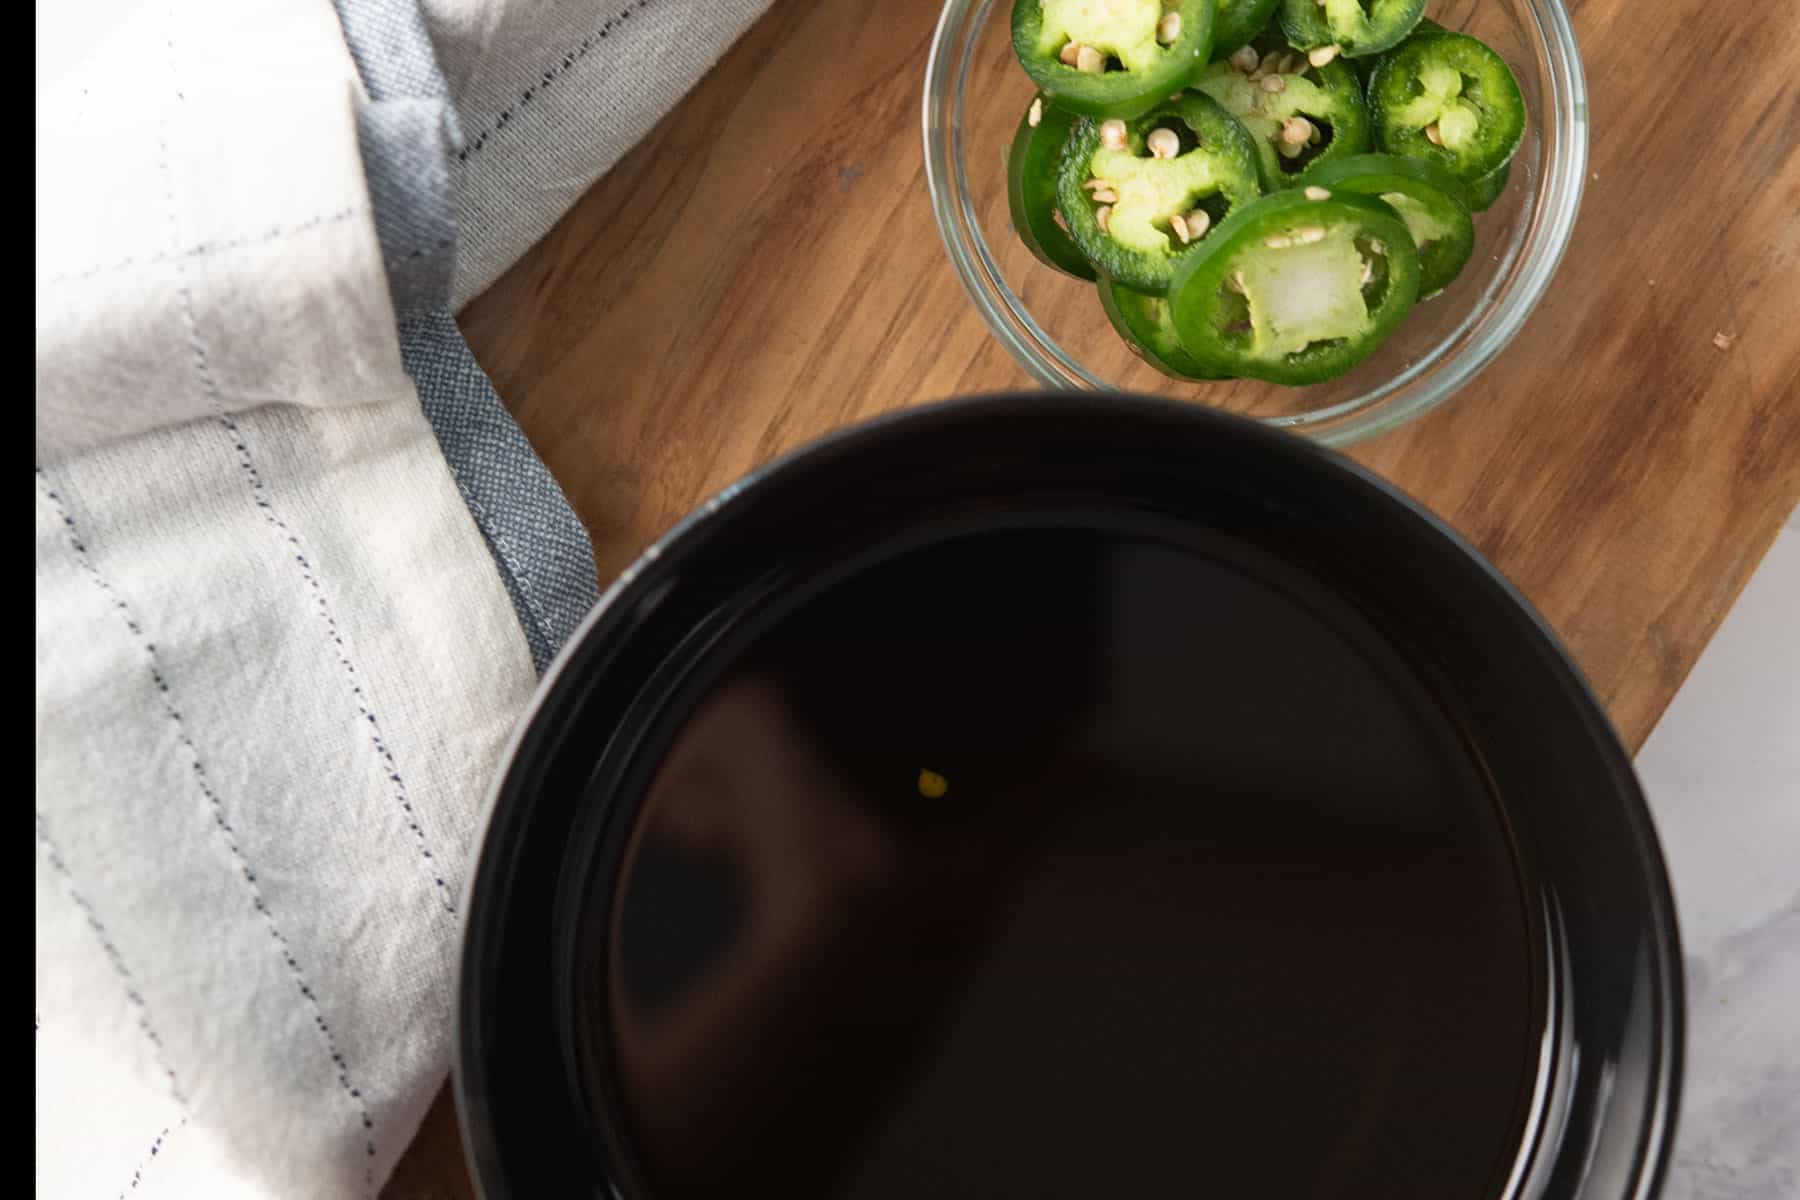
pixel 1054 325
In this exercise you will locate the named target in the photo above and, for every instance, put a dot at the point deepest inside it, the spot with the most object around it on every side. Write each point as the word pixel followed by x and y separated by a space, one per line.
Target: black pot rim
pixel 1656 1132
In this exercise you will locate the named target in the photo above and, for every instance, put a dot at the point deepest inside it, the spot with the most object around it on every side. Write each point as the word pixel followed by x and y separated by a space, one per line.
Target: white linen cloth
pixel 274 662
pixel 552 94
pixel 203 231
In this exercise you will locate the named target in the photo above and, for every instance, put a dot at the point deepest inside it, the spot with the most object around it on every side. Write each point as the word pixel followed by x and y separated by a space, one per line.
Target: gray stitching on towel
pixel 113 956
pixel 549 77
pixel 208 385
pixel 206 248
pixel 137 1176
pixel 154 663
pixel 259 492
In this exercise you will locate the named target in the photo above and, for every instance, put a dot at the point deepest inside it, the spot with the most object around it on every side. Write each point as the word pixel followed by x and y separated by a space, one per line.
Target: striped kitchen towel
pixel 294 565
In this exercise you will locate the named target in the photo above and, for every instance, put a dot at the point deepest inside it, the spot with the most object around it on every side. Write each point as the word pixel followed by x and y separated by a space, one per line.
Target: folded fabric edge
pixel 408 134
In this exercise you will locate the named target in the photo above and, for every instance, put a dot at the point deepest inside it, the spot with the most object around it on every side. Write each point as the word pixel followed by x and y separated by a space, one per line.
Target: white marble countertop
pixel 1722 771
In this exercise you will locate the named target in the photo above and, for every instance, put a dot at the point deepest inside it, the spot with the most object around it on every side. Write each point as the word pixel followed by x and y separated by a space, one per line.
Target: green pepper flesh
pixel 1356 31
pixel 1295 290
pixel 1448 99
pixel 1032 165
pixel 1215 172
pixel 1147 328
pixel 1429 201
pixel 1328 97
pixel 1238 22
pixel 1138 70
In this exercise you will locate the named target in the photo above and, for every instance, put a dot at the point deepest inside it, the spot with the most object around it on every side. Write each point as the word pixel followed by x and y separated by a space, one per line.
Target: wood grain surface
pixel 764 267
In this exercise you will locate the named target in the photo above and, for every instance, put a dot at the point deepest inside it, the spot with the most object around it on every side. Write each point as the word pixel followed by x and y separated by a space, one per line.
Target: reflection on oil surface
pixel 1051 864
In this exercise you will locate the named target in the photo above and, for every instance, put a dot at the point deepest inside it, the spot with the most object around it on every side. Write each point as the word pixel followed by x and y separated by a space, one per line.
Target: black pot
pixel 562 955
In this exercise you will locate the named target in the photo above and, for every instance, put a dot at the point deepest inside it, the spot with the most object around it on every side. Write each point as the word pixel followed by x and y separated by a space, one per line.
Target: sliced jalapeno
pixel 1111 58
pixel 1482 193
pixel 1144 322
pixel 1237 23
pixel 1032 165
pixel 1313 115
pixel 1356 27
pixel 1295 288
pixel 1365 66
pixel 1138 196
pixel 1428 199
pixel 1448 99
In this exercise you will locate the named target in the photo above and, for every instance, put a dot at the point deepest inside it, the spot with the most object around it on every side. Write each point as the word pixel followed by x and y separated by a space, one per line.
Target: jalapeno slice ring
pixel 1428 199
pixel 1296 288
pixel 1111 58
pixel 1148 330
pixel 1032 164
pixel 1139 196
pixel 1312 116
pixel 1448 99
pixel 1354 28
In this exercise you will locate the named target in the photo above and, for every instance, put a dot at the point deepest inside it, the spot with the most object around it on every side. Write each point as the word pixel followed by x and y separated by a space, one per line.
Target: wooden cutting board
pixel 764 267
